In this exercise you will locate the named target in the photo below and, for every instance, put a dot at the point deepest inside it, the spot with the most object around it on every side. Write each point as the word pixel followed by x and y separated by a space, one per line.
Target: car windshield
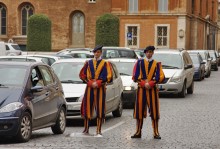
pixel 118 53
pixel 80 55
pixel 212 54
pixel 68 72
pixel 12 75
pixel 16 47
pixel 194 58
pixel 125 68
pixel 168 60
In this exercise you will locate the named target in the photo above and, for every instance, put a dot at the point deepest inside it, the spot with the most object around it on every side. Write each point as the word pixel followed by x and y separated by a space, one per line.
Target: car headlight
pixel 11 107
pixel 176 79
pixel 128 88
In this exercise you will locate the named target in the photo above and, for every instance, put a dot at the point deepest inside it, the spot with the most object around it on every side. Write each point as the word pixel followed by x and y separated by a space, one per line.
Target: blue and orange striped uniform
pixel 94 98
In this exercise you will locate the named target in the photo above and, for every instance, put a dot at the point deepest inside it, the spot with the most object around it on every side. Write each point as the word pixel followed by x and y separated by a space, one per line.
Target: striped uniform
pixel 150 71
pixel 94 98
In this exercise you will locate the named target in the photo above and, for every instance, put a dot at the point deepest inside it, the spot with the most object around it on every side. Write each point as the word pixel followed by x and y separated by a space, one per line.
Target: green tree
pixel 39 33
pixel 107 30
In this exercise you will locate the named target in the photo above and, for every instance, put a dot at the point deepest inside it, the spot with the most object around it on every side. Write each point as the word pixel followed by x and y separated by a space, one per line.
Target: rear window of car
pixel 118 53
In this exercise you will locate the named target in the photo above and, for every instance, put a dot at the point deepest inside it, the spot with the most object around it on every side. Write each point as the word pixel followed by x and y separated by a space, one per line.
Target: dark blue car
pixel 199 65
pixel 31 97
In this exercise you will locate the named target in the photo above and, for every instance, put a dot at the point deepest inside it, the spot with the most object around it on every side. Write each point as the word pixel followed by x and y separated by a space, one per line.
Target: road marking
pixel 114 126
pixel 82 135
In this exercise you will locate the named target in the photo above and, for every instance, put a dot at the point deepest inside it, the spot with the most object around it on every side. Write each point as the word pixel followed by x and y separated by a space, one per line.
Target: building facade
pixel 188 24
pixel 73 21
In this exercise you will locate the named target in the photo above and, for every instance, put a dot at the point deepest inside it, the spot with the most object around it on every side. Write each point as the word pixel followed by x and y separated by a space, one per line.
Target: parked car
pixel 69 50
pixel 2 48
pixel 140 53
pixel 12 49
pixel 218 57
pixel 77 53
pixel 68 70
pixel 206 58
pixel 178 69
pixel 31 98
pixel 199 65
pixel 125 69
pixel 47 59
pixel 118 52
pixel 214 61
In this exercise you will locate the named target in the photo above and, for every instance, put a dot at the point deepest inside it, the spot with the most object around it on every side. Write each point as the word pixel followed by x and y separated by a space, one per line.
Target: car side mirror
pixel 37 89
pixel 188 66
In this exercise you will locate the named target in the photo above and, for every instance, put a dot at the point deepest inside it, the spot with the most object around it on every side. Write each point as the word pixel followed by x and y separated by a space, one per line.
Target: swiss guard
pixel 96 73
pixel 147 73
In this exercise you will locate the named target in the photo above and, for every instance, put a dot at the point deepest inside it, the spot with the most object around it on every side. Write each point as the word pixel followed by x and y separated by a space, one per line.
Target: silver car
pixel 68 70
pixel 178 69
pixel 206 58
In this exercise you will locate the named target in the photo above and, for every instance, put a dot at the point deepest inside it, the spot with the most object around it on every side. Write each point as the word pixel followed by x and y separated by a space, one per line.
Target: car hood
pixel 73 90
pixel 9 95
pixel 127 81
pixel 172 72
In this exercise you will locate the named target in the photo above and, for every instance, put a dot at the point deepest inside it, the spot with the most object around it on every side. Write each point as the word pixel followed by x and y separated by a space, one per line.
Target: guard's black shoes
pixel 136 136
pixel 157 137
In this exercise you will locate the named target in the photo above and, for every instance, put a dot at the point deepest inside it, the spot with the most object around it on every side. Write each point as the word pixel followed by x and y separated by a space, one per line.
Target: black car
pixel 199 65
pixel 31 97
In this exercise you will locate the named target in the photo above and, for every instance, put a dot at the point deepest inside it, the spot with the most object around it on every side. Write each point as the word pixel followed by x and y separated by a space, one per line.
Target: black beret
pixel 152 48
pixel 98 47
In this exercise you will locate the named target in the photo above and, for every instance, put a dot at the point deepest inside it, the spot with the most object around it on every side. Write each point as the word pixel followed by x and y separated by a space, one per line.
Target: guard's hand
pixel 94 84
pixel 147 86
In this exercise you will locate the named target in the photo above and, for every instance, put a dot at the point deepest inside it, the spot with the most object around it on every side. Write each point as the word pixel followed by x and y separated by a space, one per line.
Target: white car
pixel 68 70
pixel 47 59
pixel 77 52
pixel 12 49
pixel 125 69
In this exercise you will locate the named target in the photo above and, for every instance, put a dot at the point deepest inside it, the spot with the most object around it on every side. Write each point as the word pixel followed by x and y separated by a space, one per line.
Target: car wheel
pixel 60 125
pixel 25 128
pixel 191 88
pixel 118 111
pixel 182 94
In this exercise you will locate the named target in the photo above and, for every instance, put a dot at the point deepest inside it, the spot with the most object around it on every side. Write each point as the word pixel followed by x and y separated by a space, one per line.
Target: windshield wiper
pixel 124 74
pixel 171 67
pixel 71 81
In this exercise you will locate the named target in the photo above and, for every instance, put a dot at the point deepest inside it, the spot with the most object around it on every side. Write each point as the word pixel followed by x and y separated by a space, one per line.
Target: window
pixel 46 75
pixel 92 1
pixel 2 20
pixel 132 36
pixel 78 20
pixel 26 12
pixel 163 5
pixel 133 6
pixel 193 6
pixel 162 36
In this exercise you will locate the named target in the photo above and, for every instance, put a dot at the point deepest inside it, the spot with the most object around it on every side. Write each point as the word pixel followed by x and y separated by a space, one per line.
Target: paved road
pixel 193 122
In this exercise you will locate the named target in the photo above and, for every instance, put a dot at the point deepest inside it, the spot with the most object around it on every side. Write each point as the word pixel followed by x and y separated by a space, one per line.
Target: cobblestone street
pixel 191 122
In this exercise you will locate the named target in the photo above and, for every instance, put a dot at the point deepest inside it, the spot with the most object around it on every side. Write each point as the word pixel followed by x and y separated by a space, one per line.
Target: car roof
pixel 25 64
pixel 123 60
pixel 170 51
pixel 117 48
pixel 46 56
pixel 72 60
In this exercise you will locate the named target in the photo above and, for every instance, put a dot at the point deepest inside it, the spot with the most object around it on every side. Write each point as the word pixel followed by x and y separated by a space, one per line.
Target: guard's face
pixel 149 54
pixel 97 54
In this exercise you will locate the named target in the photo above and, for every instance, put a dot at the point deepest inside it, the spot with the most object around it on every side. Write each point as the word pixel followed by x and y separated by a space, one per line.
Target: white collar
pixel 149 59
pixel 98 58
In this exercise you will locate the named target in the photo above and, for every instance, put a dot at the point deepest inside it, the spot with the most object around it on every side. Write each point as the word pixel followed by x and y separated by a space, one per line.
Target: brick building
pixel 189 24
pixel 73 21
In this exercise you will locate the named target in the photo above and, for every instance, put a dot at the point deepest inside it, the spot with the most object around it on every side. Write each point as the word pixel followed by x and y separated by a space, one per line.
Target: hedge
pixel 39 33
pixel 107 30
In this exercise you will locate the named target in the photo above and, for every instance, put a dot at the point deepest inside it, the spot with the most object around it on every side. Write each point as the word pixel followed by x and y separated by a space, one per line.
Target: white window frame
pixel 92 1
pixel 138 35
pixel 132 4
pixel 168 35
